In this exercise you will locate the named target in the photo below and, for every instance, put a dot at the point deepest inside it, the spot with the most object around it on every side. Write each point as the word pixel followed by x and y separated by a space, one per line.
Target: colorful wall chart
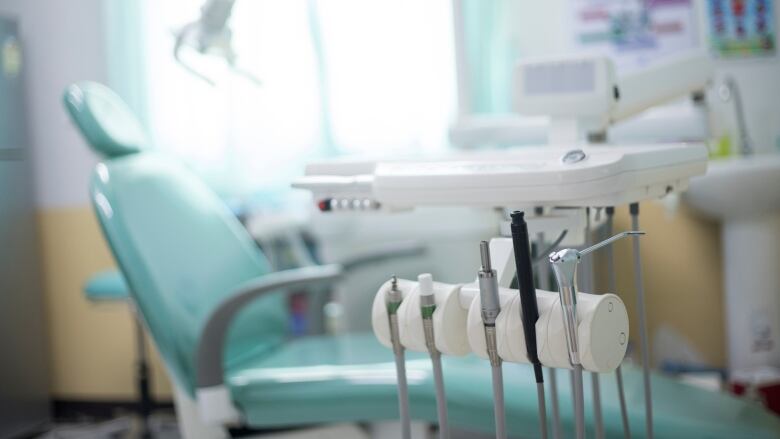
pixel 742 27
pixel 634 32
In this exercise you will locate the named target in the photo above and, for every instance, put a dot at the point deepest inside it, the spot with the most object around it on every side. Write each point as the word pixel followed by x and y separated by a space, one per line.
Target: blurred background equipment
pixel 24 372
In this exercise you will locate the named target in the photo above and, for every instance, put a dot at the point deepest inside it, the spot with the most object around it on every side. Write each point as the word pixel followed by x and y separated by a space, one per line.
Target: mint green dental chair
pixel 217 315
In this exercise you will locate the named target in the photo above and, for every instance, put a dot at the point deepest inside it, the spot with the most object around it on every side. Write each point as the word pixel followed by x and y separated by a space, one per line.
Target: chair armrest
pixel 212 397
pixel 107 286
pixel 383 252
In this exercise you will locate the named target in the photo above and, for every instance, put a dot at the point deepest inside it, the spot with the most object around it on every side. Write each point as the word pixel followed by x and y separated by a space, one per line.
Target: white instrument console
pixel 577 176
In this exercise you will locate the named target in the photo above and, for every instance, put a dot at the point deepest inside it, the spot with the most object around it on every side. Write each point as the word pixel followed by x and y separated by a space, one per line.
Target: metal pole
pixel 612 288
pixel 543 275
pixel 587 275
pixel 145 402
pixel 640 305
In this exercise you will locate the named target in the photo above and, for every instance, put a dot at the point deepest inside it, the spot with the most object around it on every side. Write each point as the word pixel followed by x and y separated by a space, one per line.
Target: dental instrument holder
pixel 394 297
pixel 459 329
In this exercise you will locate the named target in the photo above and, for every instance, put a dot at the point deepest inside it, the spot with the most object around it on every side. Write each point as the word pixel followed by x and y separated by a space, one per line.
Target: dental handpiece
pixel 564 264
pixel 530 310
pixel 490 307
pixel 393 300
pixel 427 307
pixel 488 298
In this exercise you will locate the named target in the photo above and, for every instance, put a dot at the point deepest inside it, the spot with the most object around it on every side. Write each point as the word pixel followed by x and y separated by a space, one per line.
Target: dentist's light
pixel 210 35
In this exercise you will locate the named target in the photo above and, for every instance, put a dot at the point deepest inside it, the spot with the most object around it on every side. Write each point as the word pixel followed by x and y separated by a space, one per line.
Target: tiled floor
pixel 165 427
pixel 161 427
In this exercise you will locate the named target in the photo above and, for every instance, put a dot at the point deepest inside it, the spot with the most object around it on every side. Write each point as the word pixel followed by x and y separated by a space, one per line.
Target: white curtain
pixel 338 77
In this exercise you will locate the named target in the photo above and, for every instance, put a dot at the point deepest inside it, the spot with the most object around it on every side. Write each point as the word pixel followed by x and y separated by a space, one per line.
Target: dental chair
pixel 216 313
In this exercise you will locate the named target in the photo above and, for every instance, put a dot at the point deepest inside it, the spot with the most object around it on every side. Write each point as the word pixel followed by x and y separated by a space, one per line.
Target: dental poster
pixel 742 27
pixel 634 32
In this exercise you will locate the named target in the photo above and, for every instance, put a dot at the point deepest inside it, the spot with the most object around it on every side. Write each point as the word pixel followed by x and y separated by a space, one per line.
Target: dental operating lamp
pixel 210 35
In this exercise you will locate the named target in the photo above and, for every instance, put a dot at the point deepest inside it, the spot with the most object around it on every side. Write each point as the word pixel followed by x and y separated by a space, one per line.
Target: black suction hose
pixel 530 310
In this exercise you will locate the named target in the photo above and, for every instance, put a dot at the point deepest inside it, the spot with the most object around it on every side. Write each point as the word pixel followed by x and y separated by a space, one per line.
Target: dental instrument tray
pixel 577 176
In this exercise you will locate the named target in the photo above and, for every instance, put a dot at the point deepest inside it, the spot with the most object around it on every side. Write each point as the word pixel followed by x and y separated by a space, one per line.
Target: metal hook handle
pixel 610 240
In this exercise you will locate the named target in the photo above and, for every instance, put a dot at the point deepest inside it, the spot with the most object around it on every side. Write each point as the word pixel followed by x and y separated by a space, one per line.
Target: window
pixel 338 77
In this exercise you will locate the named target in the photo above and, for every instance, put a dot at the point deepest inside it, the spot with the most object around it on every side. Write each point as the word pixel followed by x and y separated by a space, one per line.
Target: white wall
pixel 63 43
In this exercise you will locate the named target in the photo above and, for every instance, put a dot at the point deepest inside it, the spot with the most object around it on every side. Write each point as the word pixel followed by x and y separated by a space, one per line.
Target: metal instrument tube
pixel 640 307
pixel 612 288
pixel 491 307
pixel 427 307
pixel 393 300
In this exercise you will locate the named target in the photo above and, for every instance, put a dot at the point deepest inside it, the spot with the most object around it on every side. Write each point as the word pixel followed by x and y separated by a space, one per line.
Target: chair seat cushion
pixel 352 378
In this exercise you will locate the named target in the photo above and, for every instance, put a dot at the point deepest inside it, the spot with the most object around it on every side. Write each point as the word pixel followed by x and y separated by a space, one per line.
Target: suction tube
pixel 530 310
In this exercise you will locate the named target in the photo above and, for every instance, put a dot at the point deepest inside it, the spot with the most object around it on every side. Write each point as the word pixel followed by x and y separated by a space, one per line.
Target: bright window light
pixel 387 68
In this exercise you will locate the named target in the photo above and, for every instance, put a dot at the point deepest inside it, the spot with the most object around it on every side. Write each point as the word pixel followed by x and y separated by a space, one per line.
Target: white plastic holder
pixel 449 318
pixel 602 330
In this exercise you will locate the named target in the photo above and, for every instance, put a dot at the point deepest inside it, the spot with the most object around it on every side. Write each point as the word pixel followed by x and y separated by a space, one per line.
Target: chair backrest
pixel 106 122
pixel 182 252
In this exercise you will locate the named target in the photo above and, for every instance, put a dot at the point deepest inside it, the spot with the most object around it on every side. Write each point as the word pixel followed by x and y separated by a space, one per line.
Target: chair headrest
pixel 106 122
